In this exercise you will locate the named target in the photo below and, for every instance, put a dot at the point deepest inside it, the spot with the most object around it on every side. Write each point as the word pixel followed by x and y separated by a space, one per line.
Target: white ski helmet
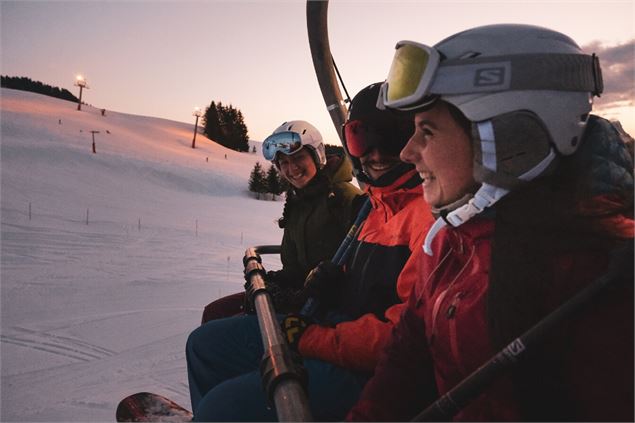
pixel 290 137
pixel 527 91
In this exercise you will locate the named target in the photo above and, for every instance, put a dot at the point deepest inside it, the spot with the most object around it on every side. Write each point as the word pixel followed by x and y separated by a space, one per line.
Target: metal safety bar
pixel 282 376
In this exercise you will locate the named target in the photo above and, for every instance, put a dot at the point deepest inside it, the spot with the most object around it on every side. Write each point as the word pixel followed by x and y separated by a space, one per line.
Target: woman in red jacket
pixel 532 194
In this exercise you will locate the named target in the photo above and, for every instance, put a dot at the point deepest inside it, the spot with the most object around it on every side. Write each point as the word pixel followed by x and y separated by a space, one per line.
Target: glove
pixel 284 300
pixel 323 281
pixel 293 326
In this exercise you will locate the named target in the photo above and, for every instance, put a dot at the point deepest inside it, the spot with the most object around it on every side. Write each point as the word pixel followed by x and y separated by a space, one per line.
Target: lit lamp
pixel 198 113
pixel 81 83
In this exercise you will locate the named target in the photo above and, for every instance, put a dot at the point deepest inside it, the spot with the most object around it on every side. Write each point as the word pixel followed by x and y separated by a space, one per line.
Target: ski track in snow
pixel 55 344
pixel 94 311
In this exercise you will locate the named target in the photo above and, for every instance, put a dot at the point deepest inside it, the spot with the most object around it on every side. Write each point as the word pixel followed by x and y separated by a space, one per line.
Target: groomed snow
pixel 105 278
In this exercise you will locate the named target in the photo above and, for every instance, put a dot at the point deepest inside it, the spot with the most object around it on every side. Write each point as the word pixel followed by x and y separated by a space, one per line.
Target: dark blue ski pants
pixel 223 358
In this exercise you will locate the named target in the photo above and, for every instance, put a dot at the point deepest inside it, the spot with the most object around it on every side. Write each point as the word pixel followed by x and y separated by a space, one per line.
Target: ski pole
pixel 344 249
pixel 458 397
pixel 341 255
pixel 282 377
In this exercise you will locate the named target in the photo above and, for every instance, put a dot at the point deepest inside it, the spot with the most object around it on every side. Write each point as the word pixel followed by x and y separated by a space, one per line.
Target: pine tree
pixel 242 137
pixel 226 125
pixel 274 184
pixel 211 123
pixel 257 180
pixel 27 84
pixel 230 118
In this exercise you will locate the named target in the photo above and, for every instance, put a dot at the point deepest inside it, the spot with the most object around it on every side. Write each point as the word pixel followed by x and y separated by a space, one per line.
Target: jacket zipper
pixel 437 303
pixel 452 329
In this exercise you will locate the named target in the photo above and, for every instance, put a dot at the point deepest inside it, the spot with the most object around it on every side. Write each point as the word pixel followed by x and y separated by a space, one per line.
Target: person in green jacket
pixel 319 209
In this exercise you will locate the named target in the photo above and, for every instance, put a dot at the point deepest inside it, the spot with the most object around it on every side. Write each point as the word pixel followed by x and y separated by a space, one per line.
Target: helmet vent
pixel 513 156
pixel 469 55
pixel 574 141
pixel 304 132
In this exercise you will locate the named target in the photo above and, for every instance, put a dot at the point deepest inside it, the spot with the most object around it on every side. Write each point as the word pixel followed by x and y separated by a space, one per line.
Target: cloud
pixel 618 72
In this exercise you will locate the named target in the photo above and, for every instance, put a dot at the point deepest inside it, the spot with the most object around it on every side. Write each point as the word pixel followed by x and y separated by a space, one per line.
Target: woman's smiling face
pixel 442 154
pixel 298 168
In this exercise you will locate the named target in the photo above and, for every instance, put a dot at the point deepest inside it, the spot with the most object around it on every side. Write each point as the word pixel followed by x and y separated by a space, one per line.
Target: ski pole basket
pixel 282 376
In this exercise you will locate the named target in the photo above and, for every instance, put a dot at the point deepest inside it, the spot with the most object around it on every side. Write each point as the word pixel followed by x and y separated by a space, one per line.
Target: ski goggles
pixel 418 75
pixel 283 142
pixel 410 76
pixel 360 138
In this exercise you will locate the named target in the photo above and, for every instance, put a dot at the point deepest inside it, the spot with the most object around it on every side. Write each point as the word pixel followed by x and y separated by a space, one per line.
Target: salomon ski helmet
pixel 290 137
pixel 527 91
pixel 368 127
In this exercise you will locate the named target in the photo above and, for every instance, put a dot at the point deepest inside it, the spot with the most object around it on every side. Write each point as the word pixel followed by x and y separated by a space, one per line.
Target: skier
pixel 318 212
pixel 533 193
pixel 363 301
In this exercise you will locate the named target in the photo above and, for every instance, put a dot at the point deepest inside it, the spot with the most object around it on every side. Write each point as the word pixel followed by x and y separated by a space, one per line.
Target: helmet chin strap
pixel 485 197
pixel 444 210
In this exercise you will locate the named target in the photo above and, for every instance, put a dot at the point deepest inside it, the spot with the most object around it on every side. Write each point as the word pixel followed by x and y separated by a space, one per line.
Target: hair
pixel 459 117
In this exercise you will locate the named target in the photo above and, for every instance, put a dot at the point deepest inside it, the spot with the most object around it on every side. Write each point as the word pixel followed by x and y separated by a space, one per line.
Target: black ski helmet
pixel 374 128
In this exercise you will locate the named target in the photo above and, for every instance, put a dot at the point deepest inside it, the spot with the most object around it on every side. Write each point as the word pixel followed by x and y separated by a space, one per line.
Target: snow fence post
pixel 94 146
pixel 282 376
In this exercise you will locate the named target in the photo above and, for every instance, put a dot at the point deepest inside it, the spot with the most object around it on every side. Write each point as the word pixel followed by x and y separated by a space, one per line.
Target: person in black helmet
pixel 360 302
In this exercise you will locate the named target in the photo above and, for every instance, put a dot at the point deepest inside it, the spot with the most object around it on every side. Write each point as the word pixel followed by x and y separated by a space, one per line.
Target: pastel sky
pixel 162 58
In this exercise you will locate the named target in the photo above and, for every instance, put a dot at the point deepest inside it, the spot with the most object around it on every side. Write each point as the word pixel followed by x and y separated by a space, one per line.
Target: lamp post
pixel 81 83
pixel 198 113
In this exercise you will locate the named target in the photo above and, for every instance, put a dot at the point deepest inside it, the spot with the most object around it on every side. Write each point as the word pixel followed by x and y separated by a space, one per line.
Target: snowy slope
pixel 105 278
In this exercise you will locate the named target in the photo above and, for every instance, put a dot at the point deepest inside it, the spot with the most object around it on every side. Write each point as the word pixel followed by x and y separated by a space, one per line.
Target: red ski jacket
pixel 381 273
pixel 443 335
pixel 442 338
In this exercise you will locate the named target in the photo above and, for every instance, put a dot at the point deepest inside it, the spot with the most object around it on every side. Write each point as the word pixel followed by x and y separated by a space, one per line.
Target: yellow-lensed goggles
pixel 418 76
pixel 412 70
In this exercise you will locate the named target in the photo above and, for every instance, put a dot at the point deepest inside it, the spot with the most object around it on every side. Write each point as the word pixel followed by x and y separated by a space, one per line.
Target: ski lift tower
pixel 81 83
pixel 198 113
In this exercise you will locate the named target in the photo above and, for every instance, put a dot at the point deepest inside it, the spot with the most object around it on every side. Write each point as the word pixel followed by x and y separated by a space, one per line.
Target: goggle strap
pixel 558 72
